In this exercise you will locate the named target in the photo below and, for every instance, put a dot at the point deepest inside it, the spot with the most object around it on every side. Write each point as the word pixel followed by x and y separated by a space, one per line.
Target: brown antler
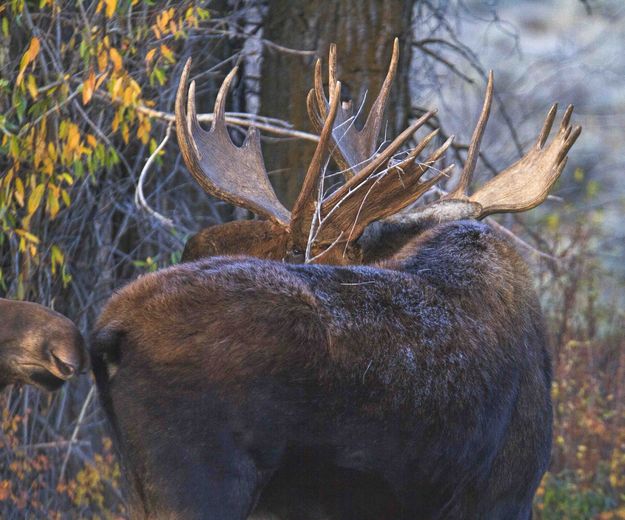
pixel 224 170
pixel 376 194
pixel 353 148
pixel 237 174
pixel 525 184
pixel 308 199
pixel 376 186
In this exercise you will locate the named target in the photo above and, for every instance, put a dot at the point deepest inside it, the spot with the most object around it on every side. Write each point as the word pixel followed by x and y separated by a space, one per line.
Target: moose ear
pixel 258 238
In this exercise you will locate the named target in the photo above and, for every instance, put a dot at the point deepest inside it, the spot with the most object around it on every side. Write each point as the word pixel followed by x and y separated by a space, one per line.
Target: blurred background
pixel 87 90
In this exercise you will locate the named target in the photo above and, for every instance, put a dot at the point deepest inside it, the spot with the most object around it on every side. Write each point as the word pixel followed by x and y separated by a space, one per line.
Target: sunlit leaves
pixel 48 144
pixel 150 56
pixel 28 57
pixel 108 6
pixel 163 21
pixel 167 53
pixel 88 87
pixel 34 200
pixel 19 192
pixel 31 86
pixel 116 59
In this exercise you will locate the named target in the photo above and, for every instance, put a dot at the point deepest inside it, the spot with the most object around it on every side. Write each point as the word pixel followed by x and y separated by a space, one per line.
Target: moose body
pixel 417 388
pixel 405 379
pixel 37 346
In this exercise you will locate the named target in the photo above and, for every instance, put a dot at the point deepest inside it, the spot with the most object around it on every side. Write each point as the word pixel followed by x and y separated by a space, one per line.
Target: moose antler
pixel 238 175
pixel 353 148
pixel 526 183
pixel 378 186
pixel 224 170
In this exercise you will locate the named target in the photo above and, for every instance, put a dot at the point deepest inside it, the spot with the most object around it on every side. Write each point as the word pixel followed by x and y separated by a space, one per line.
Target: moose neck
pixel 385 238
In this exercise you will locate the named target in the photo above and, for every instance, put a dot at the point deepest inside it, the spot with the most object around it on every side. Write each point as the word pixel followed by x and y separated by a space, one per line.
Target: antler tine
pixel 320 96
pixel 546 130
pixel 377 195
pixel 308 198
pixel 374 119
pixel 224 170
pixel 526 183
pixel 474 148
pixel 219 112
pixel 332 66
pixel 380 160
pixel 313 110
pixel 354 148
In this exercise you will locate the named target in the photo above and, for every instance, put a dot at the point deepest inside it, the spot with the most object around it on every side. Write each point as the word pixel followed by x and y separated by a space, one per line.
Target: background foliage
pixel 86 90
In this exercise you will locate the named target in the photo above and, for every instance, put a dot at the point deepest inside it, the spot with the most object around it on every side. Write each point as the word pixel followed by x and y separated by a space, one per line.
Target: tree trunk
pixel 363 31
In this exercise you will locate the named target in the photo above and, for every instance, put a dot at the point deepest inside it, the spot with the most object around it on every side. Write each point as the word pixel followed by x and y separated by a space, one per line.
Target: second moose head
pixel 38 346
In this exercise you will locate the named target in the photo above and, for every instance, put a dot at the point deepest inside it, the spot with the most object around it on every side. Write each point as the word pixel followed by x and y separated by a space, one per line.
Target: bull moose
pixel 37 346
pixel 342 360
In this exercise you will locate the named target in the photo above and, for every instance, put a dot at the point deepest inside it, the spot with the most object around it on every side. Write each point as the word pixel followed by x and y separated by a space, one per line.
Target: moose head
pixel 37 346
pixel 336 229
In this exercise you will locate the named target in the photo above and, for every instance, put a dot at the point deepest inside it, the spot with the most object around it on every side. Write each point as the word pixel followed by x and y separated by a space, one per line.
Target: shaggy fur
pixel 414 389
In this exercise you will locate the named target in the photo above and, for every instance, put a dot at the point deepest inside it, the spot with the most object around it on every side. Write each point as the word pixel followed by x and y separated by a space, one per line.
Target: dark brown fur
pixel 414 389
pixel 37 346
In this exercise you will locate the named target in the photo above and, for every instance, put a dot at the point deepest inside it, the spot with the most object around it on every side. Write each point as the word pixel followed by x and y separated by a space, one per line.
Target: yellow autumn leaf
pixel 115 58
pixel 31 85
pixel 110 8
pixel 103 59
pixel 52 152
pixel 100 80
pixel 167 53
pixel 125 133
pixel 116 87
pixel 53 205
pixel 143 130
pixel 28 57
pixel 150 56
pixel 27 235
pixel 66 198
pixel 40 151
pixel 33 49
pixel 88 87
pixel 8 178
pixel 129 96
pixel 115 122
pixel 73 137
pixel 34 200
pixel 19 191
pixel 163 19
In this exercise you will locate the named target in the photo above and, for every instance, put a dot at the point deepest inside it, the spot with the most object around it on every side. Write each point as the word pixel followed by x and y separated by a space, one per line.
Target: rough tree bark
pixel 363 31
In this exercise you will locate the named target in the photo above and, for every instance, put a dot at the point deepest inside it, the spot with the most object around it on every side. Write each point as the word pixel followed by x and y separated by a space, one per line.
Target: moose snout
pixel 68 356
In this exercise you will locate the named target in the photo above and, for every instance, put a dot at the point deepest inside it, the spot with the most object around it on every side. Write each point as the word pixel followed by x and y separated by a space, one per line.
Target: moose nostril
pixel 66 368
